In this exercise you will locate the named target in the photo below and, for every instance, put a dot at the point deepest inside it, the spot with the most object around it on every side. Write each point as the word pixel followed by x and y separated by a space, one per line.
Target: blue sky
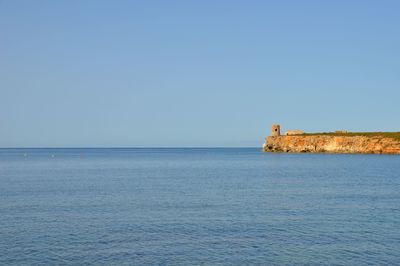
pixel 194 73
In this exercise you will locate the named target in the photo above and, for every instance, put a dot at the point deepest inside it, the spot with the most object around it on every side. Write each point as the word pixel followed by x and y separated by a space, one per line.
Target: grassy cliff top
pixel 393 135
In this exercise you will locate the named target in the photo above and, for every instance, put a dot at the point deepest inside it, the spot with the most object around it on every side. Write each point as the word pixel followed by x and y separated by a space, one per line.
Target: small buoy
pixel 52 156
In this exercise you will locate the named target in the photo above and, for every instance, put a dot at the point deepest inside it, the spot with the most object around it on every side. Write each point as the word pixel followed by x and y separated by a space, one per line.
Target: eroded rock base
pixel 332 144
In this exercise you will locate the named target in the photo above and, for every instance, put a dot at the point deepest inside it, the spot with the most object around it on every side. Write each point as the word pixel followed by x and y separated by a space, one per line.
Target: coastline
pixel 325 143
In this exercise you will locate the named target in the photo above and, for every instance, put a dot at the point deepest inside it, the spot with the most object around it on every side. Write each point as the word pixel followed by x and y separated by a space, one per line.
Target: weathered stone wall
pixel 332 144
pixel 275 130
pixel 293 132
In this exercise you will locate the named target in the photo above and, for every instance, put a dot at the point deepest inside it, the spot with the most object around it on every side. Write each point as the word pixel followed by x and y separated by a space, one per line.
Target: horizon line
pixel 162 147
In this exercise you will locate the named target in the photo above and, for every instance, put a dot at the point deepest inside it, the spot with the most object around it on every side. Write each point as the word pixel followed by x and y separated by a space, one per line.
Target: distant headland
pixel 340 141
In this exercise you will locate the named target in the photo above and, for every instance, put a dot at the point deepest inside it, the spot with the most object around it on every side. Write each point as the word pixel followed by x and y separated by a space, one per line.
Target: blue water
pixel 197 207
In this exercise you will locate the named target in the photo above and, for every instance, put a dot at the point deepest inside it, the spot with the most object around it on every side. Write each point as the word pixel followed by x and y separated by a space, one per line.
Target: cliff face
pixel 332 144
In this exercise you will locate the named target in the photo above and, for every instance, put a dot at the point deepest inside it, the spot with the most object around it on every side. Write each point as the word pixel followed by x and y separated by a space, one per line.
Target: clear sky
pixel 194 73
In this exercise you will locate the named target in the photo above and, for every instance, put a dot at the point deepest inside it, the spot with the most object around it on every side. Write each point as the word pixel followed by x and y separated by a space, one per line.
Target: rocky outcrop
pixel 332 144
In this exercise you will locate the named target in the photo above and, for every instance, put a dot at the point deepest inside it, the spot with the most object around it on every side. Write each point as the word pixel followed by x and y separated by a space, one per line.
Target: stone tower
pixel 275 130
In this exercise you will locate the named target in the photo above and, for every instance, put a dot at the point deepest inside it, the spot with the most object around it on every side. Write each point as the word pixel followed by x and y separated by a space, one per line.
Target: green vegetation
pixel 393 135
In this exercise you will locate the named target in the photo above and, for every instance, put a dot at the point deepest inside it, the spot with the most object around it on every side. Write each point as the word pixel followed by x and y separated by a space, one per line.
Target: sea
pixel 197 206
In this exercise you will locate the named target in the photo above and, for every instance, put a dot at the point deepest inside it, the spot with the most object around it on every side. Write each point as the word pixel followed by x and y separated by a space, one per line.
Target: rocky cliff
pixel 332 144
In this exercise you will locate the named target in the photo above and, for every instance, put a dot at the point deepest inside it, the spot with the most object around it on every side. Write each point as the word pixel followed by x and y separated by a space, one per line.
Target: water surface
pixel 197 207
